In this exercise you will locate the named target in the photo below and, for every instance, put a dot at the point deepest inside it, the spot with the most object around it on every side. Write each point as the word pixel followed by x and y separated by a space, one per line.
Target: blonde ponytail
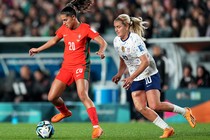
pixel 137 25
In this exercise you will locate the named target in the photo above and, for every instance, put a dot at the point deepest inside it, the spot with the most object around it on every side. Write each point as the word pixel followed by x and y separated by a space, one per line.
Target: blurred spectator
pixel 23 86
pixel 203 77
pixel 157 6
pixel 208 28
pixel 99 22
pixel 176 28
pixel 148 32
pixel 34 18
pixel 44 27
pixel 163 30
pixel 161 63
pixel 41 86
pixel 175 14
pixel 110 17
pixel 188 80
pixel 207 11
pixel 195 12
pixel 189 30
pixel 202 25
pixel 168 8
pixel 7 93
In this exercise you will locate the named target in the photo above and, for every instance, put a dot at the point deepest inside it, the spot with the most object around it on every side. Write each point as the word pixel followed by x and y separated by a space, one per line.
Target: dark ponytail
pixel 80 6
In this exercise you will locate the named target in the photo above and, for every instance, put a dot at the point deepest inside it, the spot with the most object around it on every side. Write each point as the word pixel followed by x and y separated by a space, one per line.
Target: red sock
pixel 63 109
pixel 93 115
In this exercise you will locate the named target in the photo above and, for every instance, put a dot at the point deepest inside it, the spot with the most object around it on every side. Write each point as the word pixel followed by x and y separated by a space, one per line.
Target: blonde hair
pixel 136 25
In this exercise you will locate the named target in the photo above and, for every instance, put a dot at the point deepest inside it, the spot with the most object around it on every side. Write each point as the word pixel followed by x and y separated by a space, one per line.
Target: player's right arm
pixel 121 71
pixel 45 46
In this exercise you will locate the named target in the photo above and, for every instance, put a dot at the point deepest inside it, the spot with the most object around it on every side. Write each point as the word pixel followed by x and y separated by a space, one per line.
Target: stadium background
pixel 30 23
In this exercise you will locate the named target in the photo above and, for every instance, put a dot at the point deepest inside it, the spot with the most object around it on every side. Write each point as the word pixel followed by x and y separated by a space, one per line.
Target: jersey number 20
pixel 71 46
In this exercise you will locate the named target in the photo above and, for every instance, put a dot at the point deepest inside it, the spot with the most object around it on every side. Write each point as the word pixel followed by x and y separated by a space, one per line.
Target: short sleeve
pixel 139 46
pixel 91 33
pixel 59 32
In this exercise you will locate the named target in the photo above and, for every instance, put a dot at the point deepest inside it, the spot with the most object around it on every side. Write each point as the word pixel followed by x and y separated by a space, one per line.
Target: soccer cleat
pixel 190 118
pixel 60 116
pixel 167 132
pixel 97 132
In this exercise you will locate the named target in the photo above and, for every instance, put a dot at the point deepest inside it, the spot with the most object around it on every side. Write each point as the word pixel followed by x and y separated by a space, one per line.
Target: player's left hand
pixel 127 82
pixel 101 54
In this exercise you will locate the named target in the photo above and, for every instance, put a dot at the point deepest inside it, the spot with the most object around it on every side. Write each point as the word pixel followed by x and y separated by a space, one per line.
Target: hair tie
pixel 131 22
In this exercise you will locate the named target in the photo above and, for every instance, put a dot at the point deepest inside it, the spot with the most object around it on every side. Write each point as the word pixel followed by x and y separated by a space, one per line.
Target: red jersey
pixel 77 49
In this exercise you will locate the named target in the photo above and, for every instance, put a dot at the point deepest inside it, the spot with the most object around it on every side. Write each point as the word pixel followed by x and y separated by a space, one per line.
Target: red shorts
pixel 68 76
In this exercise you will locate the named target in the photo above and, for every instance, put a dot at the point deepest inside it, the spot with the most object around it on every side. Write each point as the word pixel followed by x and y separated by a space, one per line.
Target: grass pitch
pixel 112 131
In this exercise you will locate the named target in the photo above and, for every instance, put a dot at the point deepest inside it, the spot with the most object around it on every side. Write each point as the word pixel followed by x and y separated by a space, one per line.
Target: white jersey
pixel 130 50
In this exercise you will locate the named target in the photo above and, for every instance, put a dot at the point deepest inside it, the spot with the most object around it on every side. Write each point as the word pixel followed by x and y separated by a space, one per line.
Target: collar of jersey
pixel 126 38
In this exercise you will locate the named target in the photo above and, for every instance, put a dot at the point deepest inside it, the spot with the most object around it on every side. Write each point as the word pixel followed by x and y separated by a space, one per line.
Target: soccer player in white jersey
pixel 144 79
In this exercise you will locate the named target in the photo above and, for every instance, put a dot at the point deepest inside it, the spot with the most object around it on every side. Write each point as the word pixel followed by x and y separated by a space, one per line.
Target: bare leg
pixel 140 102
pixel 56 91
pixel 82 89
pixel 154 102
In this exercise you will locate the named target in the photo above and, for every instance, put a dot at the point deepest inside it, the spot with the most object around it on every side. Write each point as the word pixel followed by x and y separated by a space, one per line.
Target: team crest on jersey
pixel 123 49
pixel 79 37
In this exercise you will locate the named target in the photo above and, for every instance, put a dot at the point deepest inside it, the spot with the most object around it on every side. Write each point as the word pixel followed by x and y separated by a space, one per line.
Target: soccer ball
pixel 44 129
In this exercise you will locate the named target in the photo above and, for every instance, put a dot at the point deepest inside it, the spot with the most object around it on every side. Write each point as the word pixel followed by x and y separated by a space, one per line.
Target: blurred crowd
pixel 201 80
pixel 166 18
pixel 27 85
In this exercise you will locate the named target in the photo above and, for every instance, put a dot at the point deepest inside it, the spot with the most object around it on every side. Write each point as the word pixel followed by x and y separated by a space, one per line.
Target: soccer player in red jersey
pixel 76 63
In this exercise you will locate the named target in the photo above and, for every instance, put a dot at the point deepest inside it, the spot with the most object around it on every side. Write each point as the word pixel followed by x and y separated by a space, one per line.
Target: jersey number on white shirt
pixel 125 57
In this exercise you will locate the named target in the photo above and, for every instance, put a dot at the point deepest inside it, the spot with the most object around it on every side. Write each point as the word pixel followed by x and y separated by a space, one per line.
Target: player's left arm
pixel 142 53
pixel 144 64
pixel 103 46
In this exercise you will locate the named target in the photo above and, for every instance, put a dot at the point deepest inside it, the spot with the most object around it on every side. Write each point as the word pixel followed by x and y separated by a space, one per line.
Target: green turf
pixel 112 131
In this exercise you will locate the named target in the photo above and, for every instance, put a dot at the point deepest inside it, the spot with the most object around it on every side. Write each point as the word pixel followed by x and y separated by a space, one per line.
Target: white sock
pixel 161 123
pixel 95 126
pixel 180 110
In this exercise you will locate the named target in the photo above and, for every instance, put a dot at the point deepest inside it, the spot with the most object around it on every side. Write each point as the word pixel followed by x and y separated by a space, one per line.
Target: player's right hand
pixel 101 54
pixel 33 51
pixel 116 79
